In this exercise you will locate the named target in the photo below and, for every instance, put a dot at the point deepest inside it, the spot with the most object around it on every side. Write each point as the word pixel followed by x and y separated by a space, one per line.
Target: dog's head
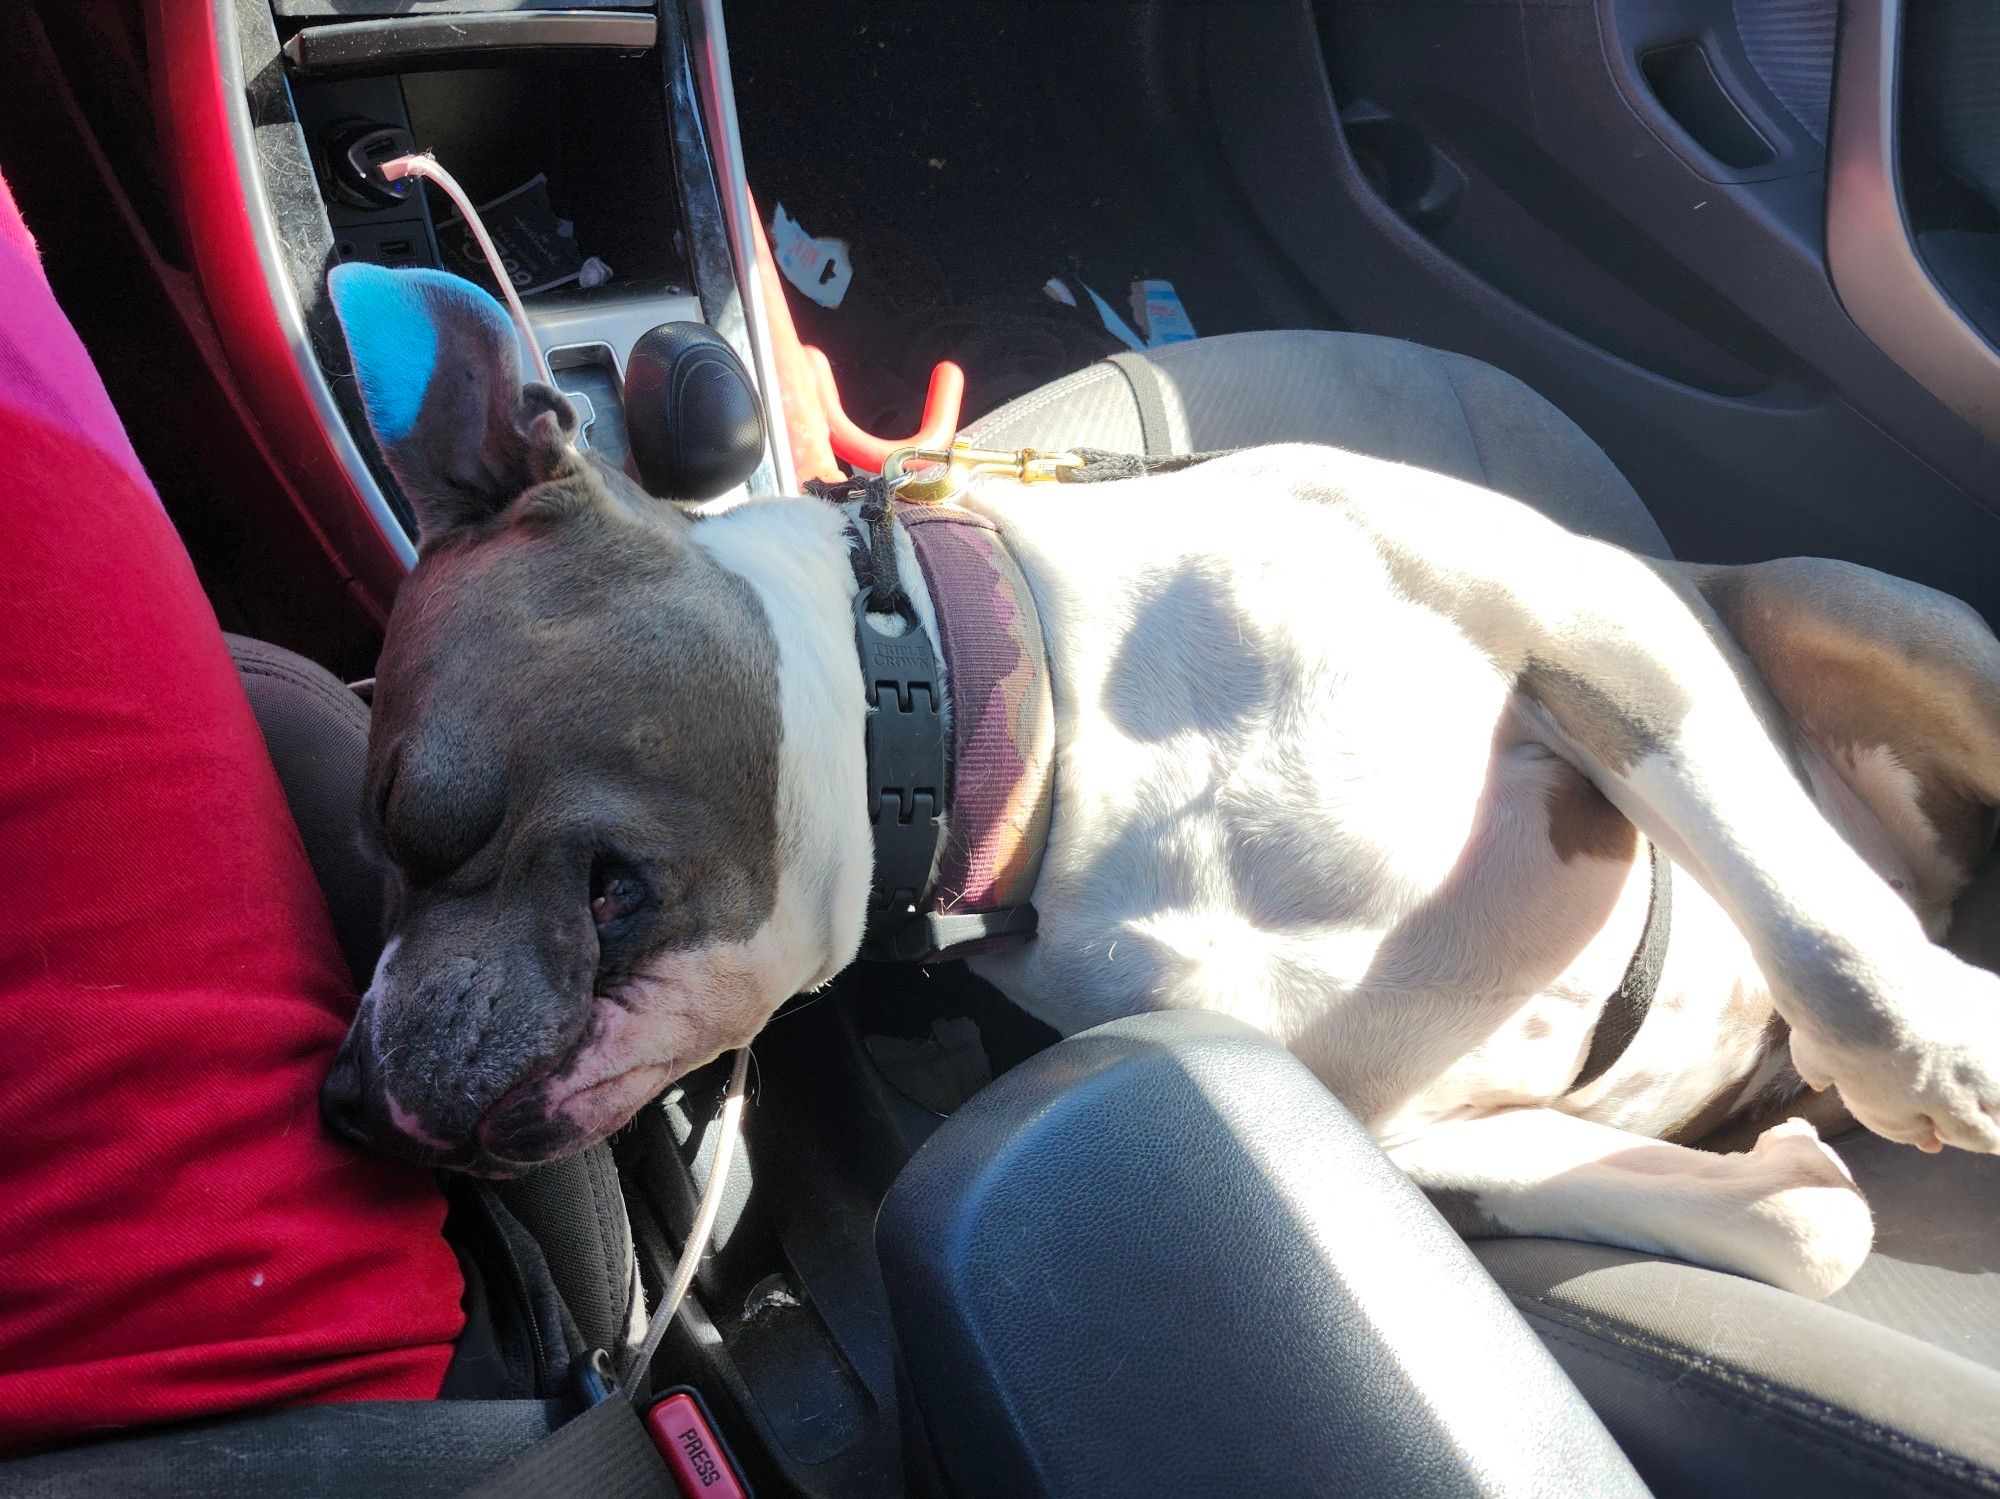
pixel 573 771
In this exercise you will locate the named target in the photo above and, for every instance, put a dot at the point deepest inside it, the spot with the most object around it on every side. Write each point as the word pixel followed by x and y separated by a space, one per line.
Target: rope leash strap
pixel 1100 466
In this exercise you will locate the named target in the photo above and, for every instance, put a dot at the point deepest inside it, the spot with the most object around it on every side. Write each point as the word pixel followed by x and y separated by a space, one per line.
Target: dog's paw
pixel 1795 1144
pixel 1933 1079
pixel 1812 1225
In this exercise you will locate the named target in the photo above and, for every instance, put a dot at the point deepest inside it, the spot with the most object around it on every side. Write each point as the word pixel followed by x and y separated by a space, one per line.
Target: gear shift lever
pixel 693 415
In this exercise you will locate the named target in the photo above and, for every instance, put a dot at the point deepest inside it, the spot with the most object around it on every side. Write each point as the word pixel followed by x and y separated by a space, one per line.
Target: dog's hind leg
pixel 1784 1212
pixel 1630 675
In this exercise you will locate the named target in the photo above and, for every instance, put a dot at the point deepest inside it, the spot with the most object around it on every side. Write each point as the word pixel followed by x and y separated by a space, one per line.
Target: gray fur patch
pixel 1460 1207
pixel 1617 733
pixel 471 451
pixel 1160 685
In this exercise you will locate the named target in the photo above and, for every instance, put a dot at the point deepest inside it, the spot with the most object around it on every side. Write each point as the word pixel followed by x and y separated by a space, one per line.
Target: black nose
pixel 343 1096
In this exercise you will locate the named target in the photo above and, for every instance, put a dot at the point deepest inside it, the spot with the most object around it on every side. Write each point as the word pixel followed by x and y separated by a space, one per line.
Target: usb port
pixel 398 249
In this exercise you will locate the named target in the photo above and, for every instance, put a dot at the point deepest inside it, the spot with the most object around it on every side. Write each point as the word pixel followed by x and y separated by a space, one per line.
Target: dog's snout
pixel 360 1107
pixel 343 1097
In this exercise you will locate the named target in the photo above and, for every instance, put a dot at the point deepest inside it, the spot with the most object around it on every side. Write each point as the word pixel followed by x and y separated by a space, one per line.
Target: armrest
pixel 1160 1258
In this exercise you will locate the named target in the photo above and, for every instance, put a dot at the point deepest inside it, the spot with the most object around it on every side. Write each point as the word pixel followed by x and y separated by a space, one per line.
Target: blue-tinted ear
pixel 440 374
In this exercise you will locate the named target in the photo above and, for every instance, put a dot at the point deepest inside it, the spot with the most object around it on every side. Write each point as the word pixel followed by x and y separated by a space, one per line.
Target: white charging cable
pixel 729 1126
pixel 425 165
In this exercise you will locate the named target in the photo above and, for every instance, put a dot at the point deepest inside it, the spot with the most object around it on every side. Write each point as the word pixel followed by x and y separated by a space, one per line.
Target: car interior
pixel 1710 279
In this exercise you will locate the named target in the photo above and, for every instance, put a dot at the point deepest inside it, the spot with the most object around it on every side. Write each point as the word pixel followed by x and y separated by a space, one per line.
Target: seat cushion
pixel 1372 395
pixel 1935 1272
pixel 1714 1384
pixel 316 732
pixel 178 1238
pixel 1719 1385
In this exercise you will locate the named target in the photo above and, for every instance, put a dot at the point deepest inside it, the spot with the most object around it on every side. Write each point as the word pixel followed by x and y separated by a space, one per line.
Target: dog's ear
pixel 438 363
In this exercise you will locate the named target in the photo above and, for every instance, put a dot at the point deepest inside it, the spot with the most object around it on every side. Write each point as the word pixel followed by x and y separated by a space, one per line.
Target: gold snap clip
pixel 931 476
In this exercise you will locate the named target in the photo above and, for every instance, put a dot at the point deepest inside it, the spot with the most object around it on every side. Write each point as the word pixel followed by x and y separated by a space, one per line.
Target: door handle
pixel 1410 173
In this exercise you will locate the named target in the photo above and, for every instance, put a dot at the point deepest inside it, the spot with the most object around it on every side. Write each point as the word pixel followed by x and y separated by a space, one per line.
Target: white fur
pixel 790 552
pixel 1336 799
pixel 1786 1213
pixel 1873 800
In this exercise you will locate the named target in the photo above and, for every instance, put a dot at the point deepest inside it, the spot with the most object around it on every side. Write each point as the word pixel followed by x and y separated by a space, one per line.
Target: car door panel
pixel 1529 184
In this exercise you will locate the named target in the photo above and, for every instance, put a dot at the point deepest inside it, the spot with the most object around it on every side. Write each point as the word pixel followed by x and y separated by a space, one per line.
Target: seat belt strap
pixel 605 1453
pixel 1156 433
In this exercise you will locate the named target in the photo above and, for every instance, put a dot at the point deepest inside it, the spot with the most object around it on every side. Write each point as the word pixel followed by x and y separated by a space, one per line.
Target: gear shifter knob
pixel 693 415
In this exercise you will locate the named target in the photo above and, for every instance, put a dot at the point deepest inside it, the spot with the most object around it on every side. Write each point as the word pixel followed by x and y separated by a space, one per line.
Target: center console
pixel 598 141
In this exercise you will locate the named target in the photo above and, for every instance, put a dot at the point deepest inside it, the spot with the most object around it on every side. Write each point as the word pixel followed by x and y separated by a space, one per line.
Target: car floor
pixel 965 167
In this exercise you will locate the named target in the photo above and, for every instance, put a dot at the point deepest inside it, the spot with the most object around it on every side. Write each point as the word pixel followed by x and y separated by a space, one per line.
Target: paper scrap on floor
pixel 1161 316
pixel 1155 303
pixel 821 268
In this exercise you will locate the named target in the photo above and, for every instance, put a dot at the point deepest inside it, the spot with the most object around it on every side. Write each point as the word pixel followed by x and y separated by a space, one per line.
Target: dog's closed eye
pixel 618 892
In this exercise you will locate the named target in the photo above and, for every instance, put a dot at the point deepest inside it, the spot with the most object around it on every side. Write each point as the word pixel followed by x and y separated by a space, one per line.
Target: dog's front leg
pixel 1634 689
pixel 1784 1212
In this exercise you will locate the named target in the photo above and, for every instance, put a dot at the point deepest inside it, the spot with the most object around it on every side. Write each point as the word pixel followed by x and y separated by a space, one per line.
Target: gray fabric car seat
pixel 1372 395
pixel 317 733
pixel 1714 1384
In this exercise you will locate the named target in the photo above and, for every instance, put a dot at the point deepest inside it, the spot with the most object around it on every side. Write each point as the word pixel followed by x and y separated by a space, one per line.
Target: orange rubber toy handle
pixel 864 450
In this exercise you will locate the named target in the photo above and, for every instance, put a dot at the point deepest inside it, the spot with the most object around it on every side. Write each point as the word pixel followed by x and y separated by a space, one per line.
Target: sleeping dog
pixel 1373 759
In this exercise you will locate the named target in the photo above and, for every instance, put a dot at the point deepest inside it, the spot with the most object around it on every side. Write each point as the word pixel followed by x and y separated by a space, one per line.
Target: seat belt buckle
pixel 701 1462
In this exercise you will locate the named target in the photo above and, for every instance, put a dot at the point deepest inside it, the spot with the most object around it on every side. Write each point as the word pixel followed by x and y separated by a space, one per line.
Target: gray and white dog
pixel 1372 767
